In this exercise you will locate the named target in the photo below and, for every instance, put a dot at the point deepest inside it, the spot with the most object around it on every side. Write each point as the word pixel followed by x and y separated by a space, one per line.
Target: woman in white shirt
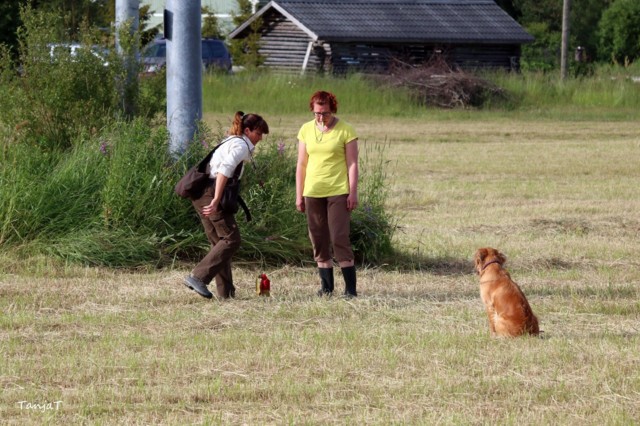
pixel 220 226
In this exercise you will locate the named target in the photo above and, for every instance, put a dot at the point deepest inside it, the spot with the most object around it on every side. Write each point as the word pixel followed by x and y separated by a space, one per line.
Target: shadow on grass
pixel 443 266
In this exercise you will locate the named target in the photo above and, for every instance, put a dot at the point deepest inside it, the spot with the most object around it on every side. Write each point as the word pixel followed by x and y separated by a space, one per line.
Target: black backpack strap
pixel 203 165
pixel 236 175
pixel 244 206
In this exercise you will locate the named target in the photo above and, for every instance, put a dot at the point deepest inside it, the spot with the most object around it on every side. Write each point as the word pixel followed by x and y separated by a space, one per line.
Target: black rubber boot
pixel 349 274
pixel 326 281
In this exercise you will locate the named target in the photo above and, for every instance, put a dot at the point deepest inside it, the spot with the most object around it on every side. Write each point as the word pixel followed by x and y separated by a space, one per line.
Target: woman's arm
pixel 235 153
pixel 352 170
pixel 221 182
pixel 301 173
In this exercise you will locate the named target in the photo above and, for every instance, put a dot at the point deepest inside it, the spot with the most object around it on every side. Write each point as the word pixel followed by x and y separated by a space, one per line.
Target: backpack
pixel 193 183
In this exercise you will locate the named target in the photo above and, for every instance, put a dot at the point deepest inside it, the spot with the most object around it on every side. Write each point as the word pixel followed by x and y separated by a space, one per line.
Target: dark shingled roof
pixel 404 21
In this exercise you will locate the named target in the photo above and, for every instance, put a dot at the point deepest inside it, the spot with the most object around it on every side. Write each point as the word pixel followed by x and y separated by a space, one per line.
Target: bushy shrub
pixel 279 232
pixel 544 53
pixel 619 31
pixel 53 94
pixel 372 226
pixel 109 201
pixel 152 95
pixel 56 94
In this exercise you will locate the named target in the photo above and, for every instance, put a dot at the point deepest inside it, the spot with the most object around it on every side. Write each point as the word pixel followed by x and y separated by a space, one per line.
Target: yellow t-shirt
pixel 327 165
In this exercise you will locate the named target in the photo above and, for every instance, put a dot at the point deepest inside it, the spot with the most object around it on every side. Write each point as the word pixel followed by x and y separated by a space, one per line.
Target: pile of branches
pixel 436 83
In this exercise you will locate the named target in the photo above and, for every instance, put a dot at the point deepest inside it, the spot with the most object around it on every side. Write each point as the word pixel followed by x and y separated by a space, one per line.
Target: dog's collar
pixel 488 263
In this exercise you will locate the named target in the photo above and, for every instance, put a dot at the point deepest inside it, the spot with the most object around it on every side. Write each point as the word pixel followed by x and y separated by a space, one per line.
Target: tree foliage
pixel 619 31
pixel 246 51
pixel 585 16
pixel 543 20
pixel 9 22
pixel 543 53
pixel 547 11
pixel 210 24
pixel 100 13
pixel 52 94
pixel 509 7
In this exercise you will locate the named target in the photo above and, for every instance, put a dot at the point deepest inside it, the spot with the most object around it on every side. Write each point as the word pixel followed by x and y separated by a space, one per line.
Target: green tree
pixel 97 13
pixel 210 25
pixel 535 11
pixel 509 7
pixel 585 16
pixel 9 22
pixel 619 31
pixel 543 20
pixel 56 96
pixel 543 53
pixel 147 34
pixel 246 52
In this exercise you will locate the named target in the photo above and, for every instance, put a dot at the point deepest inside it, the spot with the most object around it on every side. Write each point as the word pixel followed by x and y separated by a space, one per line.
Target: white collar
pixel 249 143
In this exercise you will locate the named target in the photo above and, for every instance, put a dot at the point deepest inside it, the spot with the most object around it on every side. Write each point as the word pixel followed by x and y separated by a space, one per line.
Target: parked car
pixel 215 55
pixel 57 50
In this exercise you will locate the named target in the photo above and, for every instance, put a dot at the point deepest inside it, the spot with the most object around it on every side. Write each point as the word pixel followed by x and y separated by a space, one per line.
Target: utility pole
pixel 127 22
pixel 182 30
pixel 564 49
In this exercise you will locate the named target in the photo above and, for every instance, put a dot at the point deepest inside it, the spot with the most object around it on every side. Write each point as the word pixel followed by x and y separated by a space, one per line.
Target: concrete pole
pixel 127 12
pixel 564 49
pixel 182 28
pixel 127 23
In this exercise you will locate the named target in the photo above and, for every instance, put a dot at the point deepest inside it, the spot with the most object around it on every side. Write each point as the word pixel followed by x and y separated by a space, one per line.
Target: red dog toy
pixel 263 286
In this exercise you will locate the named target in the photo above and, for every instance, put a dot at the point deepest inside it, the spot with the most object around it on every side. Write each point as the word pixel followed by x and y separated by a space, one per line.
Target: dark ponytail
pixel 243 121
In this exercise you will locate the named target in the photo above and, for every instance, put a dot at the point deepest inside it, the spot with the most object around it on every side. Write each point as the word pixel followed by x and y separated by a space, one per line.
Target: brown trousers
pixel 329 225
pixel 223 234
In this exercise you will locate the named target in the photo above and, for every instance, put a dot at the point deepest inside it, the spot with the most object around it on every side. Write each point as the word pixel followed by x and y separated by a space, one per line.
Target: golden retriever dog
pixel 507 308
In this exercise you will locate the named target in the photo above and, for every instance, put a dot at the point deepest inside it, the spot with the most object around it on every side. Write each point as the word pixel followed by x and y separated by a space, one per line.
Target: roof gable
pixel 404 21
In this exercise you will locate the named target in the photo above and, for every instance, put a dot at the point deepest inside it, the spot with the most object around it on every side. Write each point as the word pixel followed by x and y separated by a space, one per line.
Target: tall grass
pixel 545 94
pixel 109 201
pixel 289 94
pixel 528 94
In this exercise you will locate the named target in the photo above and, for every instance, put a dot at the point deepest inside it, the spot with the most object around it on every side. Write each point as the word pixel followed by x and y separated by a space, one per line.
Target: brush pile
pixel 436 83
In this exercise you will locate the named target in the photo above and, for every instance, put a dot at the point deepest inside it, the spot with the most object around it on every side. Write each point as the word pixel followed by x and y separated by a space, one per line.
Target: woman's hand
pixel 300 204
pixel 352 201
pixel 211 208
pixel 221 182
pixel 352 171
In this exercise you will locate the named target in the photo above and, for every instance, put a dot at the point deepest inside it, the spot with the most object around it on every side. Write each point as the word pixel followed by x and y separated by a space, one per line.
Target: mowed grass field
pixel 559 198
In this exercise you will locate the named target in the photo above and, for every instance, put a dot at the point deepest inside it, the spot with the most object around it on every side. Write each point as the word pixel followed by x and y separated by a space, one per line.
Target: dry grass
pixel 559 198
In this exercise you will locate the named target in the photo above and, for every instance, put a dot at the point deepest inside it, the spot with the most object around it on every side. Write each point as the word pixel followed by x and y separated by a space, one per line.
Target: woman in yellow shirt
pixel 327 189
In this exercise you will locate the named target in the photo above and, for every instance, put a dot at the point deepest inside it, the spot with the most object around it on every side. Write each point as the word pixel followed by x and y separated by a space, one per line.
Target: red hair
pixel 323 98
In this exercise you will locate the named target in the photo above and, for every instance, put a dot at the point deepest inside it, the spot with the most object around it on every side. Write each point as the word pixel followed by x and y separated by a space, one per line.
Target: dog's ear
pixel 481 255
pixel 501 258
